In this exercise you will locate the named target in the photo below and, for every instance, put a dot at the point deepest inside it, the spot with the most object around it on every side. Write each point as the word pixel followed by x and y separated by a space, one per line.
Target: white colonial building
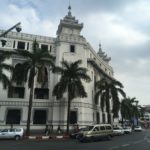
pixel 68 45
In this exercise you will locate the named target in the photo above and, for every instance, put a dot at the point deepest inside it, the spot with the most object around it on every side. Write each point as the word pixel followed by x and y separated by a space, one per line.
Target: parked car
pixel 118 131
pixel 138 128
pixel 96 132
pixel 127 130
pixel 15 133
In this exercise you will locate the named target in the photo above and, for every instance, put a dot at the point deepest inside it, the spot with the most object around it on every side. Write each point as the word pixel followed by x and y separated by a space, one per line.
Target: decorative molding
pixel 49 104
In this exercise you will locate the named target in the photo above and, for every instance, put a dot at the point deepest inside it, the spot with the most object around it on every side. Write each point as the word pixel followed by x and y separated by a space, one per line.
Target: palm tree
pixel 35 62
pixel 125 109
pixel 109 90
pixel 4 79
pixel 129 108
pixel 70 82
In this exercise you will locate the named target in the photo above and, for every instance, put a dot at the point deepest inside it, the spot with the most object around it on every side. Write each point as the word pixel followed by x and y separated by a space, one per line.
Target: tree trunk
pixel 68 113
pixel 30 108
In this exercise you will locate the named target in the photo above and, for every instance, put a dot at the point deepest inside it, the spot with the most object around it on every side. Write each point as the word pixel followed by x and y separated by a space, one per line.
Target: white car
pixel 15 133
pixel 118 131
pixel 138 128
pixel 127 130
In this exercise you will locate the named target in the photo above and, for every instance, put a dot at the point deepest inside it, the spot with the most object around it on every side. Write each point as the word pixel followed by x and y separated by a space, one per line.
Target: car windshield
pixel 88 128
pixel 4 130
pixel 116 128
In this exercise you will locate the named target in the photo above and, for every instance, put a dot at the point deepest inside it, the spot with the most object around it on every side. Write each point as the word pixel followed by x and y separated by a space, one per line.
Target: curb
pixel 47 137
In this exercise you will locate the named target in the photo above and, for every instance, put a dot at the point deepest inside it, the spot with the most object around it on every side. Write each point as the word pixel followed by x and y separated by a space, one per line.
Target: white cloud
pixel 31 22
pixel 110 29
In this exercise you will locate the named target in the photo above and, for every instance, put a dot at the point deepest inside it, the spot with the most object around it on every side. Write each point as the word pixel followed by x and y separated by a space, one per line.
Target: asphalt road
pixel 134 141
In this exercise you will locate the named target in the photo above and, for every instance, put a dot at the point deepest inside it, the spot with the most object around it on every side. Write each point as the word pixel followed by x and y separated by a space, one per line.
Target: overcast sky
pixel 122 27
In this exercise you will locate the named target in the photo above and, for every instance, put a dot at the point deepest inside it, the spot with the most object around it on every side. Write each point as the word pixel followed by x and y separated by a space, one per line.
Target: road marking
pixel 117 147
pixel 125 145
pixel 138 142
pixel 146 138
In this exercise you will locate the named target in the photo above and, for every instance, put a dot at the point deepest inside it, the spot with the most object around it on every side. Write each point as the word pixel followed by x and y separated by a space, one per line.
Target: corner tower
pixel 69 25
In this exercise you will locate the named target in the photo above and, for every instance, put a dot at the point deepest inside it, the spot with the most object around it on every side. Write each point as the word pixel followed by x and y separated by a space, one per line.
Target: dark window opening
pixel 50 48
pixel 73 117
pixel 43 78
pixel 13 116
pixel 103 117
pixel 97 118
pixel 109 118
pixel 44 47
pixel 72 48
pixel 14 44
pixel 40 117
pixel 41 93
pixel 16 92
pixel 28 46
pixel 21 45
pixel 95 83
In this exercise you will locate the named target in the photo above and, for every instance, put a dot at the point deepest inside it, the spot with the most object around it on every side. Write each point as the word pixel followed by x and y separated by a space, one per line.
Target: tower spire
pixel 69 8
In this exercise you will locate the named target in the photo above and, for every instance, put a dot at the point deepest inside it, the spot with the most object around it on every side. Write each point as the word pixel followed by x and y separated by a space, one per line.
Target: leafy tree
pixel 34 63
pixel 109 90
pixel 4 79
pixel 70 82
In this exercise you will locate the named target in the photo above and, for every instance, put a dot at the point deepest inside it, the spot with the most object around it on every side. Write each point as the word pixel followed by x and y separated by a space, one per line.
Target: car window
pixel 5 130
pixel 96 129
pixel 102 128
pixel 108 127
pixel 18 130
pixel 11 130
pixel 116 128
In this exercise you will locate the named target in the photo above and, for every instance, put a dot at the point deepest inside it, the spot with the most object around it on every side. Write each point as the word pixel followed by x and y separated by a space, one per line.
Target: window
pixel 21 45
pixel 5 130
pixel 13 116
pixel 97 118
pixel 92 75
pixel 40 117
pixel 50 48
pixel 14 44
pixel 73 117
pixel 28 46
pixel 41 93
pixel 72 48
pixel 11 130
pixel 95 83
pixel 109 128
pixel 109 118
pixel 102 128
pixel 44 47
pixel 16 92
pixel 103 117
pixel 96 129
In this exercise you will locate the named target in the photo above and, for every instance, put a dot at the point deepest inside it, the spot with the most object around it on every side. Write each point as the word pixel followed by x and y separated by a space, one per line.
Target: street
pixel 133 141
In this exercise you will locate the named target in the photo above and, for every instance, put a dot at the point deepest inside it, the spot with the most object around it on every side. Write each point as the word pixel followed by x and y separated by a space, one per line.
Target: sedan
pixel 138 128
pixel 127 130
pixel 118 131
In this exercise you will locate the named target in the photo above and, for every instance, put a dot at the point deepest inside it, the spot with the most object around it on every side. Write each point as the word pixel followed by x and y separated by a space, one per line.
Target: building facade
pixel 68 45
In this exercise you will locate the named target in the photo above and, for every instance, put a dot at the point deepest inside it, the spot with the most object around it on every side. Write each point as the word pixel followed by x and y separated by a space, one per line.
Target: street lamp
pixel 3 35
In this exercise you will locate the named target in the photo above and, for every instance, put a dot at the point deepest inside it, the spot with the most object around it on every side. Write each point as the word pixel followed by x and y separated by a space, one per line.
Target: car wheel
pixel 109 137
pixel 91 139
pixel 17 137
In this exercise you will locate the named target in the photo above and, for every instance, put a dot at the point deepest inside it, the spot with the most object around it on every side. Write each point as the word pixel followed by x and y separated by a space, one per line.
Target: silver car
pixel 15 133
